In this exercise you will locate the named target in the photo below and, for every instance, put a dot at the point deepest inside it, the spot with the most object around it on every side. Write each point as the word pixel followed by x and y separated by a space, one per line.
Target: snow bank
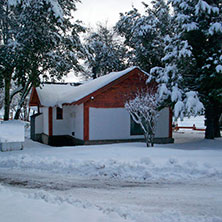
pixel 144 170
pixel 12 131
pixel 127 162
pixel 11 135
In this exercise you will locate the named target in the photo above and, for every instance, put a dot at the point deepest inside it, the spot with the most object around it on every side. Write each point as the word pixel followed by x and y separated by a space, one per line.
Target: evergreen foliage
pixel 105 52
pixel 192 74
pixel 143 34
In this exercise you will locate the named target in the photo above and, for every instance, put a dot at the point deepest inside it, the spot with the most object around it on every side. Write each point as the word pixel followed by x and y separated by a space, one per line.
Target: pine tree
pixel 144 33
pixel 105 52
pixel 191 75
pixel 205 41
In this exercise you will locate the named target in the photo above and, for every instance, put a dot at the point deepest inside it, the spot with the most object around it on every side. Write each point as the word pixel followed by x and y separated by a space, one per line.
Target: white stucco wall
pixel 62 126
pixel 109 124
pixel 114 123
pixel 72 122
pixel 39 124
pixel 78 121
pixel 162 128
pixel 45 113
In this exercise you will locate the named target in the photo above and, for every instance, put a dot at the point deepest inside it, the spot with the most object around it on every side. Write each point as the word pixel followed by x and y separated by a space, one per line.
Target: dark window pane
pixel 135 129
pixel 59 113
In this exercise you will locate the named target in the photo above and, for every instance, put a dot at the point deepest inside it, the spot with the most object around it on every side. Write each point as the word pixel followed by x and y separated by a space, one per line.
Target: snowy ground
pixel 119 182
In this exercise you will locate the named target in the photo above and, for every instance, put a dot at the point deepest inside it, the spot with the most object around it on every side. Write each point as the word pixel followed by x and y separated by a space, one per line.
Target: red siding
pixel 50 121
pixel 34 98
pixel 115 95
pixel 86 122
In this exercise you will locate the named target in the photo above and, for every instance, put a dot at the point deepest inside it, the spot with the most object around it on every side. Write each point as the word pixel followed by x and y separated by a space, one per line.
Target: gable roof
pixel 57 95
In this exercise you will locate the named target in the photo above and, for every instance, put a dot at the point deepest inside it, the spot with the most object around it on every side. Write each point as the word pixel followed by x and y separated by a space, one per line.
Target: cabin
pixel 93 112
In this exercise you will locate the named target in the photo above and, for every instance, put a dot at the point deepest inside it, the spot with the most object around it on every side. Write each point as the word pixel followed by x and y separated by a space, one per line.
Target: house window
pixel 135 128
pixel 59 113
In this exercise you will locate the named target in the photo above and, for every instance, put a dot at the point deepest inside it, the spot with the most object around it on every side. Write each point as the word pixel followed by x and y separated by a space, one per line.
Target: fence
pixel 176 128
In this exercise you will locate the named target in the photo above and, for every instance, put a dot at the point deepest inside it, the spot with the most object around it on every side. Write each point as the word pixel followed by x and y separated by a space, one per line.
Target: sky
pixel 94 11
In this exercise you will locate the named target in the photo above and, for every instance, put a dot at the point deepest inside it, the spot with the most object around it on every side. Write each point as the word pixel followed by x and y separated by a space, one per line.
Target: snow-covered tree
pixel 192 72
pixel 143 33
pixel 14 98
pixel 1 98
pixel 105 51
pixel 144 111
pixel 38 39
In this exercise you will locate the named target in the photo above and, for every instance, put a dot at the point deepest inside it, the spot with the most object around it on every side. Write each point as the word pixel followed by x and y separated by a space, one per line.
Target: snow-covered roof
pixel 58 94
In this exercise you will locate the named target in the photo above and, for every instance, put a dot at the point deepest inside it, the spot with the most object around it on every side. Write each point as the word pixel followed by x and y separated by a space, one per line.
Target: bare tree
pixel 144 111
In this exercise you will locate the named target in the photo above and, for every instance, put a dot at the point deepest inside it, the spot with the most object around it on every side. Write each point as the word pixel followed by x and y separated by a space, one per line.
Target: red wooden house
pixel 92 112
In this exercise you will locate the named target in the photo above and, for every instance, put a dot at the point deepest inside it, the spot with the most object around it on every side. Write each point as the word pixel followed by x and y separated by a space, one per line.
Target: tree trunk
pixel 210 122
pixel 94 71
pixel 7 74
pixel 25 93
pixel 17 114
pixel 146 139
pixel 152 140
pixel 7 97
pixel 217 126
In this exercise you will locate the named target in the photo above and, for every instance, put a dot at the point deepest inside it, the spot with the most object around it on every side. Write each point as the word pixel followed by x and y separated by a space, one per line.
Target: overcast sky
pixel 93 11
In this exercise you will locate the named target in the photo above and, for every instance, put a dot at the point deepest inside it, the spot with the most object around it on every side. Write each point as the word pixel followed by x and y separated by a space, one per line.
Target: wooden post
pixel 50 121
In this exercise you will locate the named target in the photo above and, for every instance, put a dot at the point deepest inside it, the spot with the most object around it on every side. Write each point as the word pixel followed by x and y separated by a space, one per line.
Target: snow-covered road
pixel 117 182
pixel 156 202
pixel 129 201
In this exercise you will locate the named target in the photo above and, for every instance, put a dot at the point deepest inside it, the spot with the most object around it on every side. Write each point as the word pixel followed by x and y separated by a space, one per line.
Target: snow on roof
pixel 51 94
pixel 56 94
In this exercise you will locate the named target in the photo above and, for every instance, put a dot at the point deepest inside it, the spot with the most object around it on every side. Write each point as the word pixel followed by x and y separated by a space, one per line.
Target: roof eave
pixel 34 98
pixel 106 87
